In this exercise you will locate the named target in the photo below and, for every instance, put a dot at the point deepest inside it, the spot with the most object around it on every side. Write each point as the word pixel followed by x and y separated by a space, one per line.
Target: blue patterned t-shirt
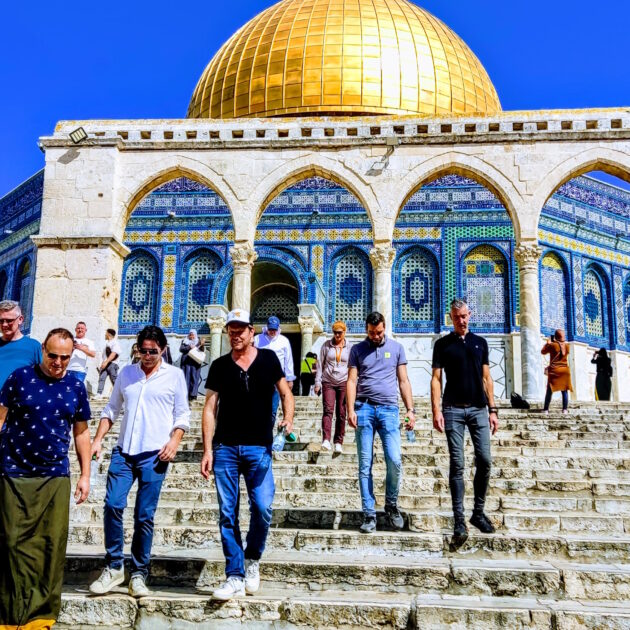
pixel 37 429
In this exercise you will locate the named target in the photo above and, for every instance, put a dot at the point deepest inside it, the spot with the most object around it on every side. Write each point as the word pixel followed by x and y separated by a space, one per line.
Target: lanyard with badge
pixel 338 353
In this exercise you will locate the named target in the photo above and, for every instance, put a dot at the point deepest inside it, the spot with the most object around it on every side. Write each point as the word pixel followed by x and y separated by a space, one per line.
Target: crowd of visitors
pixel 44 403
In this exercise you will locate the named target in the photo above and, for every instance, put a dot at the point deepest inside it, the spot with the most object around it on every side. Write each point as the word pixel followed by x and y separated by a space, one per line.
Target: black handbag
pixel 518 402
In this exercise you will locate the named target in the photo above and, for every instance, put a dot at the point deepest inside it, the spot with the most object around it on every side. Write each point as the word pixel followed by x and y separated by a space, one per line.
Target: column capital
pixel 216 317
pixel 216 325
pixel 528 254
pixel 243 255
pixel 307 323
pixel 382 257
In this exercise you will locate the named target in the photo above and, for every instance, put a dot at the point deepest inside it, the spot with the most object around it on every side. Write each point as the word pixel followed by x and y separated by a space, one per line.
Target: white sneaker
pixel 326 445
pixel 232 587
pixel 252 576
pixel 137 587
pixel 108 579
pixel 338 448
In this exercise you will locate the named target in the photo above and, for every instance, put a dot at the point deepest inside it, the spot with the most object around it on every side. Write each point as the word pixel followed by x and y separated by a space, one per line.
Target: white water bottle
pixel 279 440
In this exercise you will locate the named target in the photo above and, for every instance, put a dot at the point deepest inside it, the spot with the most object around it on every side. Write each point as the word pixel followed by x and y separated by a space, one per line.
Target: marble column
pixel 382 258
pixel 243 258
pixel 307 327
pixel 528 255
pixel 216 316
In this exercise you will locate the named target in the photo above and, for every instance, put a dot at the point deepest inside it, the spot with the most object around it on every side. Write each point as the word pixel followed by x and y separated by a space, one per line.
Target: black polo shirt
pixel 244 414
pixel 462 360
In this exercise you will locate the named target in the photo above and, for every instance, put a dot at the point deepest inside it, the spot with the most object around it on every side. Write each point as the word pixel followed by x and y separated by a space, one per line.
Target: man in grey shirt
pixel 377 369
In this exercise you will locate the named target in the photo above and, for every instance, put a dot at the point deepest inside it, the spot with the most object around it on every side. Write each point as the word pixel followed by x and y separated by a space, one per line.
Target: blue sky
pixel 140 59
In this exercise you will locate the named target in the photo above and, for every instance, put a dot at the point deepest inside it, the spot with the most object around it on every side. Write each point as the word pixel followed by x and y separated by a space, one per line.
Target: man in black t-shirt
pixel 468 397
pixel 237 430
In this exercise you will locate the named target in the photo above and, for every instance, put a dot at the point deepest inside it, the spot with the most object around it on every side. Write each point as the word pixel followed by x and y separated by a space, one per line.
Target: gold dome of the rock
pixel 345 57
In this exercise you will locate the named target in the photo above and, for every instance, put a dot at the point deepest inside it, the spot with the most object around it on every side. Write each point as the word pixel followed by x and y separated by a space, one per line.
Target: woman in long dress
pixel 191 368
pixel 603 380
pixel 558 371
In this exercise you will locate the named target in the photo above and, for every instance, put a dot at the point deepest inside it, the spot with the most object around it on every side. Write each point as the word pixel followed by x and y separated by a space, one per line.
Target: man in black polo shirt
pixel 468 401
pixel 237 429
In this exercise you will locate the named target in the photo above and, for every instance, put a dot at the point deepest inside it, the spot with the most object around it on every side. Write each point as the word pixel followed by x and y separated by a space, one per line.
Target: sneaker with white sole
pixel 108 579
pixel 252 576
pixel 138 587
pixel 338 448
pixel 234 586
pixel 326 445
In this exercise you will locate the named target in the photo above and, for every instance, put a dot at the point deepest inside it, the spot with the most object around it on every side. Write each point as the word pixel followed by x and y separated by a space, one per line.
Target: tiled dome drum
pixel 347 57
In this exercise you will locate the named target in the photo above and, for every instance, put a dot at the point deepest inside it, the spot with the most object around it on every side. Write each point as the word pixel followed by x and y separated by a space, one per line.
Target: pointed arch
pixel 140 291
pixel 596 159
pixel 350 288
pixel 200 267
pixel 555 298
pixel 4 280
pixel 485 277
pixel 416 291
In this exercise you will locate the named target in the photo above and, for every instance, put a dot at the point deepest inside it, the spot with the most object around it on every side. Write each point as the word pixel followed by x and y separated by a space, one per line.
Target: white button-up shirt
pixel 154 407
pixel 282 347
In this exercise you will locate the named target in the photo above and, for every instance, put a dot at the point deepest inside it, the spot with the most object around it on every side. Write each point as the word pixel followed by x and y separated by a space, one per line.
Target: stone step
pixel 182 610
pixel 88 538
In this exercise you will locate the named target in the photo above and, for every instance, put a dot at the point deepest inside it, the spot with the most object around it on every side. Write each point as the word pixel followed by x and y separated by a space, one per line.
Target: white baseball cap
pixel 238 316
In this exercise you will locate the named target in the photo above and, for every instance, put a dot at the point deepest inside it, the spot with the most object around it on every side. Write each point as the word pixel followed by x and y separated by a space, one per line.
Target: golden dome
pixel 302 57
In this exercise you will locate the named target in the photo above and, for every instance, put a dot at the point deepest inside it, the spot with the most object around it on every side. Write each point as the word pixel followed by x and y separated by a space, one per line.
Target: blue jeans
pixel 254 463
pixel 384 420
pixel 80 376
pixel 123 471
pixel 455 422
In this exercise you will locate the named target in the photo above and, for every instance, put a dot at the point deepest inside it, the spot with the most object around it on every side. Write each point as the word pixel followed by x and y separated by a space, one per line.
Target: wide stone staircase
pixel 560 559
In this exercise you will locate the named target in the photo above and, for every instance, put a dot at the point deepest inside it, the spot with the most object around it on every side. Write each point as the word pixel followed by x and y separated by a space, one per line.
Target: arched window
pixel 595 308
pixel 553 291
pixel 199 281
pixel 23 290
pixel 352 294
pixel 485 285
pixel 140 285
pixel 416 301
pixel 3 283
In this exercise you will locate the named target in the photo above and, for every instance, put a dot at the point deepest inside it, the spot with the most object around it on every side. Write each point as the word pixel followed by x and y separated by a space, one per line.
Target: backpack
pixel 518 402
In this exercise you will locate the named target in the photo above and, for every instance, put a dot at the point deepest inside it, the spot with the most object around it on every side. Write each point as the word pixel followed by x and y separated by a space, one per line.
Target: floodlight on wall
pixel 78 135
pixel 7 231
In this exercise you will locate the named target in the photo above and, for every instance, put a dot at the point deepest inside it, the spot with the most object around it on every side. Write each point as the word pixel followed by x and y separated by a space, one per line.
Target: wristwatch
pixel 493 410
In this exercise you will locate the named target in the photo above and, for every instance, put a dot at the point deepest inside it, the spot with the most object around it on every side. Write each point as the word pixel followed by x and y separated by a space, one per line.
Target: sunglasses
pixel 6 320
pixel 338 332
pixel 151 351
pixel 54 356
pixel 245 380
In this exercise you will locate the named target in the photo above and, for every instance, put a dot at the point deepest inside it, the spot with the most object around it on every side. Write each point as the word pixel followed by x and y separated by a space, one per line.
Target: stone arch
pixel 605 159
pixel 23 268
pixel 315 165
pixel 292 263
pixel 605 305
pixel 554 277
pixel 181 167
pixel 354 283
pixel 486 287
pixel 147 313
pixel 431 296
pixel 468 166
pixel 203 288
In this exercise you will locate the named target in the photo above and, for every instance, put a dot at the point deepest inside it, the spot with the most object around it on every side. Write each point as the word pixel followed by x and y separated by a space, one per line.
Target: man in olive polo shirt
pixel 468 401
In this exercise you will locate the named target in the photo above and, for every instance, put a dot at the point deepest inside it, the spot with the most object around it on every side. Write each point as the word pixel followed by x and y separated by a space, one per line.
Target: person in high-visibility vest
pixel 307 372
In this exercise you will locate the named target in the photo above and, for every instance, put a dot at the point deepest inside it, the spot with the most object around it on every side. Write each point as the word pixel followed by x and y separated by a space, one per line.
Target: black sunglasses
pixel 152 351
pixel 6 320
pixel 54 356
pixel 245 379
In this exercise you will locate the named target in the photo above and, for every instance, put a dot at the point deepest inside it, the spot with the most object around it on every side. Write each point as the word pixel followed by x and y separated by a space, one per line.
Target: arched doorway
pixel 275 293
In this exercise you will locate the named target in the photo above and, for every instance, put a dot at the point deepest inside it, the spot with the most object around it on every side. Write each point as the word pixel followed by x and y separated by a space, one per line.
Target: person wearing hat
pixel 331 379
pixel 271 339
pixel 237 432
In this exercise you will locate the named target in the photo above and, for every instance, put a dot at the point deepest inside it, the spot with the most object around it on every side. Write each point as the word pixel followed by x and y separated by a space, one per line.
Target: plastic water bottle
pixel 94 466
pixel 279 440
pixel 411 434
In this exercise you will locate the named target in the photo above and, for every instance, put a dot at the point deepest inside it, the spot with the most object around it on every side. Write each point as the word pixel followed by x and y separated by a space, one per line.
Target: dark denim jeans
pixel 254 463
pixel 384 420
pixel 455 422
pixel 123 471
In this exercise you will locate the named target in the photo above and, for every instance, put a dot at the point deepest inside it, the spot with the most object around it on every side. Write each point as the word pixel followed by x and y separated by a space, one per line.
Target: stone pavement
pixel 560 559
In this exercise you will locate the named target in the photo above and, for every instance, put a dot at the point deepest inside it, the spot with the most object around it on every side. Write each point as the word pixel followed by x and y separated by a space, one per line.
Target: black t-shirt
pixel 244 409
pixel 462 360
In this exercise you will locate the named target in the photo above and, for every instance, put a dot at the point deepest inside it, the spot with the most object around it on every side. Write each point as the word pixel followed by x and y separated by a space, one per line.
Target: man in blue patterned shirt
pixel 39 407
